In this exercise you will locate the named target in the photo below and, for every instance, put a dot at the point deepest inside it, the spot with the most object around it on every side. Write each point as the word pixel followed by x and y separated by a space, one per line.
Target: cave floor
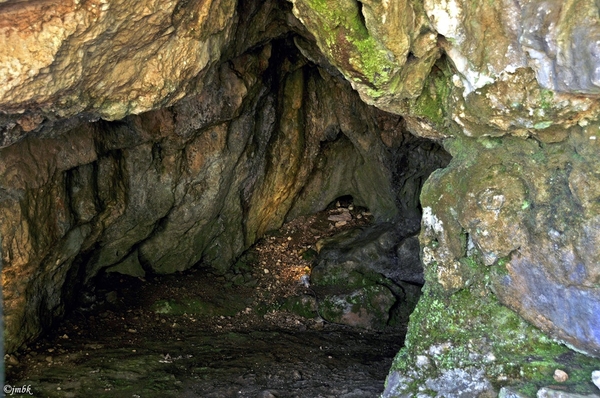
pixel 195 334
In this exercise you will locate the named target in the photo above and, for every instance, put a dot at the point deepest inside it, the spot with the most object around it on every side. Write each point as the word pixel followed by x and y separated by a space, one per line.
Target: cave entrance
pixel 207 206
pixel 273 325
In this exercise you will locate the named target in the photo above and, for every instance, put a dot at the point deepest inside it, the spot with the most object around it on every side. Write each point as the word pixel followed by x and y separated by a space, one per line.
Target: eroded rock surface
pixel 270 137
pixel 112 58
pixel 530 217
pixel 368 276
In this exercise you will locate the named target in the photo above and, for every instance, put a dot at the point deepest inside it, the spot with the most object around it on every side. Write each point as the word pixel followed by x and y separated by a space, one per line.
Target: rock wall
pixel 111 57
pixel 270 136
pixel 510 88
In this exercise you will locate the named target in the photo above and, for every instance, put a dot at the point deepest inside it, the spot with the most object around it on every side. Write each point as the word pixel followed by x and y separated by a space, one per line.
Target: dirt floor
pixel 196 334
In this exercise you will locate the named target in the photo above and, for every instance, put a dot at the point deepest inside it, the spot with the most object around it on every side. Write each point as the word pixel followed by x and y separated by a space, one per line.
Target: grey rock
pixel 460 383
pixel 266 394
pixel 548 392
pixel 509 392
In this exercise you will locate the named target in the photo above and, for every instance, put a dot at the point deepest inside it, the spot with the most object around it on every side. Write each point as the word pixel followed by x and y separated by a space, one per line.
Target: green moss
pixel 546 98
pixel 433 103
pixel 542 125
pixel 338 276
pixel 349 43
pixel 372 60
pixel 300 305
pixel 490 142
pixel 500 266
pixel 472 329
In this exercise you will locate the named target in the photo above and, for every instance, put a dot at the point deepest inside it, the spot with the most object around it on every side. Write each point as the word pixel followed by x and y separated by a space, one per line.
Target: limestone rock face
pixel 556 39
pixel 385 49
pixel 239 134
pixel 509 223
pixel 108 58
pixel 463 67
pixel 522 67
pixel 531 218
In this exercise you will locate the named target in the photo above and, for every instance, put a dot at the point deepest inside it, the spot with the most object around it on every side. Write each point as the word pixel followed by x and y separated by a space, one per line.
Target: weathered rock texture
pixel 255 133
pixel 269 137
pixel 369 277
pixel 112 58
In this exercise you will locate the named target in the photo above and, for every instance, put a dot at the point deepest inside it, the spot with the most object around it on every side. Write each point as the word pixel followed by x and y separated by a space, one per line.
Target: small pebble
pixel 48 359
pixel 596 378
pixel 12 360
pixel 266 394
pixel 560 376
pixel 266 271
pixel 296 375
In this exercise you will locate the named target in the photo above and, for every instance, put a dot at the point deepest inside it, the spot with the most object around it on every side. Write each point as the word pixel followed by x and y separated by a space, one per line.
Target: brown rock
pixel 560 376
pixel 115 58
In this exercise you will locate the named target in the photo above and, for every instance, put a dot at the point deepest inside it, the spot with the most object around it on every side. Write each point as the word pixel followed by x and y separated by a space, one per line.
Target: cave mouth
pixel 257 330
pixel 254 331
pixel 162 221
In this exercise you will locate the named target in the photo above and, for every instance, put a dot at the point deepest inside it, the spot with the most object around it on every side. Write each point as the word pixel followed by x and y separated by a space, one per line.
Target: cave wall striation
pixel 216 137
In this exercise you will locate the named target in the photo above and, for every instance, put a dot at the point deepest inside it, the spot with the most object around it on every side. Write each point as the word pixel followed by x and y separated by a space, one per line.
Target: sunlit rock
pixel 108 58
pixel 219 135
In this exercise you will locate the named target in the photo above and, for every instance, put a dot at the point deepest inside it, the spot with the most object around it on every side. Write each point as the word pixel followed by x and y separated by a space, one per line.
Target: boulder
pixel 358 276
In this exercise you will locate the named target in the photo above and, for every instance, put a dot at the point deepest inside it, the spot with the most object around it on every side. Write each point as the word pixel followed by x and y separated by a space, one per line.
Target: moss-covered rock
pixel 367 277
pixel 513 203
pixel 386 50
pixel 468 344
pixel 505 226
pixel 367 307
